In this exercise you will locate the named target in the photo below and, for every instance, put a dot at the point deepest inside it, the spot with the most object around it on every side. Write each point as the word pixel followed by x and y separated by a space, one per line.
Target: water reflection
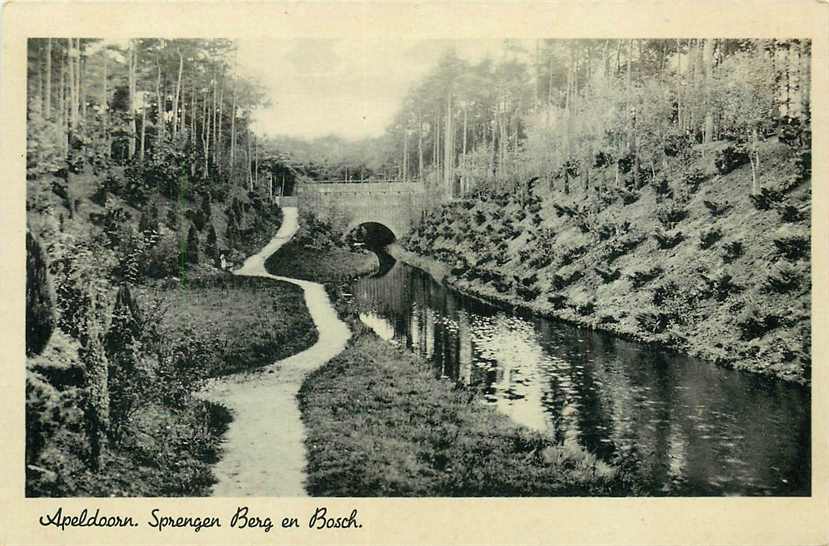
pixel 691 428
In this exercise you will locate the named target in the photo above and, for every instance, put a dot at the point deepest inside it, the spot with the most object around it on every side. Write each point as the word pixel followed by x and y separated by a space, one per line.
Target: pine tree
pixel 212 247
pixel 193 245
pixel 40 319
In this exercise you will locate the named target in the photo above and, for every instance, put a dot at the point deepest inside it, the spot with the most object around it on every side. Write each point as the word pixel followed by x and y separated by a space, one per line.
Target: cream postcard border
pixel 721 521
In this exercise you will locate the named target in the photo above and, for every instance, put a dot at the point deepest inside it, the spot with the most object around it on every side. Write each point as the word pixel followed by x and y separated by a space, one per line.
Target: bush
pixel 789 213
pixel 585 308
pixel 717 209
pixel 662 187
pixel 123 353
pixel 558 301
pixel 671 214
pixel 628 197
pixel 766 198
pixel 668 240
pixel 730 158
pixel 653 322
pixel 709 236
pixel 192 245
pixel 693 179
pixel 664 292
pixel 754 322
pixel 622 245
pixel 793 244
pixel 608 275
pixel 731 251
pixel 563 280
pixel 643 276
pixel 570 254
pixel 163 259
pixel 40 319
pixel 721 285
pixel 211 247
pixel 783 277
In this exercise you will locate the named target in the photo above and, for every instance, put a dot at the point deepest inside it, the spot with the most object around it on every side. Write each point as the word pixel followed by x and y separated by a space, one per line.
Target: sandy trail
pixel 264 449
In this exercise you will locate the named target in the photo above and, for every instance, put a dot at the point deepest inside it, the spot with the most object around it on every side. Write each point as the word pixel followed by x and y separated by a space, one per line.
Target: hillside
pixel 694 260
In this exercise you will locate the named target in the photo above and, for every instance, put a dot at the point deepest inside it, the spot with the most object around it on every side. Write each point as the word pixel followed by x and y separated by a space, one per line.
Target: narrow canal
pixel 687 427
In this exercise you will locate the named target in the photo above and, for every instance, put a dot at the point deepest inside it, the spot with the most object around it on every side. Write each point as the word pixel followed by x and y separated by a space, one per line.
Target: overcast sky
pixel 350 88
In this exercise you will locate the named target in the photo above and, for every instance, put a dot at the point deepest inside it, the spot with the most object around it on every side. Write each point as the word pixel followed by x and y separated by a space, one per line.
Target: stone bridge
pixel 396 205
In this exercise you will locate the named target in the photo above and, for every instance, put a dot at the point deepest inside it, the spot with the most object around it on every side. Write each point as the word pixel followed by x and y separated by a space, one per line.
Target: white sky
pixel 351 88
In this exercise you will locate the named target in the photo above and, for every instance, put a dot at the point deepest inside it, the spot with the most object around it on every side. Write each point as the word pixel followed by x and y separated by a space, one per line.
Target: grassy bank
pixel 379 424
pixel 319 253
pixel 695 261
pixel 245 322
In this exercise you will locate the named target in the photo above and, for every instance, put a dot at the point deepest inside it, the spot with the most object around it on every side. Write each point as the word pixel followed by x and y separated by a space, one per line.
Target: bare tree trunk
pixel 81 86
pixel 133 61
pixel 405 154
pixel 143 125
pixel 178 92
pixel 233 129
pixel 105 105
pixel 159 130
pixel 70 53
pixel 48 92
pixel 219 132
pixel 419 147
pixel 62 105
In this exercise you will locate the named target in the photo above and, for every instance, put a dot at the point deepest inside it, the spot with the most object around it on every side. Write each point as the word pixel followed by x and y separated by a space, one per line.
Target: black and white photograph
pixel 404 267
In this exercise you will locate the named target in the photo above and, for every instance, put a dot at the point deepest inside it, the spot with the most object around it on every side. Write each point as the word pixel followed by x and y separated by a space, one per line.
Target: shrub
pixel 663 292
pixel 754 322
pixel 668 240
pixel 211 247
pixel 789 213
pixel 721 285
pixel 192 245
pixel 730 158
pixel 628 197
pixel 558 301
pixel 570 254
pixel 563 280
pixel 585 308
pixel 653 322
pixel 766 198
pixel 622 245
pixel 602 159
pixel 793 244
pixel 662 187
pixel 528 293
pixel 163 259
pixel 122 351
pixel 671 214
pixel 693 179
pixel 709 236
pixel 40 319
pixel 643 276
pixel 783 277
pixel 608 275
pixel 731 251
pixel 717 209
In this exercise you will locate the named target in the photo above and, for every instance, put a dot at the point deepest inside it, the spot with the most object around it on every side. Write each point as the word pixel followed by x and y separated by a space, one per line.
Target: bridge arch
pixel 396 205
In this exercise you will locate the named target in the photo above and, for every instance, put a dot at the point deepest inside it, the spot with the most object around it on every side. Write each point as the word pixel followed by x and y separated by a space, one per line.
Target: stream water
pixel 691 428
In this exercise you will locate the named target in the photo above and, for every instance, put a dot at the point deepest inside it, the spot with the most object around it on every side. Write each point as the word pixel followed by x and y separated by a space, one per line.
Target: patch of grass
pixel 379 424
pixel 246 322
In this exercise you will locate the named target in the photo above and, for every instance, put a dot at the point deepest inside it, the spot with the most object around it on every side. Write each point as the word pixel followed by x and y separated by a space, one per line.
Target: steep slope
pixel 693 261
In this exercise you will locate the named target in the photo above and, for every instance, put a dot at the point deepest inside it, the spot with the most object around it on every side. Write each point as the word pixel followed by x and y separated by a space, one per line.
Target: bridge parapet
pixel 397 205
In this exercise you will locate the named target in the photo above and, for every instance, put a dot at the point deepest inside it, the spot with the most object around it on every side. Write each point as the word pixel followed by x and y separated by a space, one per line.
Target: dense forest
pixel 144 183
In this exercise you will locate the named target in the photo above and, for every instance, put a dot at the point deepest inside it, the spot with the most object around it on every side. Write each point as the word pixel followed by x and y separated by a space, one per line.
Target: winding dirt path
pixel 264 449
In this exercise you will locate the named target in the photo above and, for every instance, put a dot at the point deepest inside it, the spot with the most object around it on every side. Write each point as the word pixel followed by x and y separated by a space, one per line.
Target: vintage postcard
pixel 351 272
